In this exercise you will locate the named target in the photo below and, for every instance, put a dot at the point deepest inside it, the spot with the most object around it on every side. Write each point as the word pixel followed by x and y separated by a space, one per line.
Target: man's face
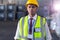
pixel 31 9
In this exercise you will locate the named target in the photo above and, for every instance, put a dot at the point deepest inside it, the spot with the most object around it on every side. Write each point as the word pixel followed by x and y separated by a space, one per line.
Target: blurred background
pixel 12 10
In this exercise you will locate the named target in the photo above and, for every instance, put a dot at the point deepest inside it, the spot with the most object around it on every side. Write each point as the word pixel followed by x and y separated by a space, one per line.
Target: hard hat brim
pixel 31 4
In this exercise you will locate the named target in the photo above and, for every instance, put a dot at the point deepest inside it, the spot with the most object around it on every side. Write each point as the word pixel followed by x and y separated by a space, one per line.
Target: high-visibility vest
pixel 39 24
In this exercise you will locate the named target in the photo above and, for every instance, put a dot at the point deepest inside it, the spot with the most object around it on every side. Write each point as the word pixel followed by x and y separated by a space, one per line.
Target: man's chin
pixel 33 14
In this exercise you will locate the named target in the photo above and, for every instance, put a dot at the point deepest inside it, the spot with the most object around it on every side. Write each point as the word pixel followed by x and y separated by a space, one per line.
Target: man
pixel 32 26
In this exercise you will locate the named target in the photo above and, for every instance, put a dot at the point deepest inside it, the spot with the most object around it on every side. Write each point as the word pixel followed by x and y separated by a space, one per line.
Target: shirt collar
pixel 33 17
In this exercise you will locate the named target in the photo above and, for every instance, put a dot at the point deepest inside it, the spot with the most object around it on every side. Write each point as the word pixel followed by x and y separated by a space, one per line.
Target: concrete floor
pixel 7 30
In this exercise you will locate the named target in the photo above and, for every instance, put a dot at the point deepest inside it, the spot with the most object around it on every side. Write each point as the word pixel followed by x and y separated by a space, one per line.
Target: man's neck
pixel 32 15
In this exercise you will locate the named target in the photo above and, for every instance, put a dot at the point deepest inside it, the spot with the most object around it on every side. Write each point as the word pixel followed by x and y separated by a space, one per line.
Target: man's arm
pixel 48 35
pixel 17 35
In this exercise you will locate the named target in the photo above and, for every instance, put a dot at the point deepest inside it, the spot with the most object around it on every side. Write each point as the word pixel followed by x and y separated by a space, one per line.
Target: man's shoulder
pixel 23 17
pixel 41 16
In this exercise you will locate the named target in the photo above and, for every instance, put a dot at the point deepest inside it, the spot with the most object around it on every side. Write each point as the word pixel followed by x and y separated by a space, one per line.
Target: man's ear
pixel 36 9
pixel 26 8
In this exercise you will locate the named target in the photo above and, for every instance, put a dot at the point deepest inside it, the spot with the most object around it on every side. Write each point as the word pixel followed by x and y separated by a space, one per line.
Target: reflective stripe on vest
pixel 24 32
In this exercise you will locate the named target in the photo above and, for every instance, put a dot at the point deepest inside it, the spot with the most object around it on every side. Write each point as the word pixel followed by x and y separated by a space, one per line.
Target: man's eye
pixel 31 6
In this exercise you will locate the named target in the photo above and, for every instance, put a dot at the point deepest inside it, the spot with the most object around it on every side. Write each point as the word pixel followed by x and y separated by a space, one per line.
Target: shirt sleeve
pixel 48 35
pixel 17 35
